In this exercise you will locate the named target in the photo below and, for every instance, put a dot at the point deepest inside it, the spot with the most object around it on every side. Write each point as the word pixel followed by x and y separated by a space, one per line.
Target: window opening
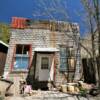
pixel 44 62
pixel 67 58
pixel 22 57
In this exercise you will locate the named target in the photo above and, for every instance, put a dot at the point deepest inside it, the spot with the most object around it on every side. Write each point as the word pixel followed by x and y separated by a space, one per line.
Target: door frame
pixel 38 72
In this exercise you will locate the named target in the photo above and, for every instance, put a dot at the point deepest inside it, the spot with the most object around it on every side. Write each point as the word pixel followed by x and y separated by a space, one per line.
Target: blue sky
pixel 27 8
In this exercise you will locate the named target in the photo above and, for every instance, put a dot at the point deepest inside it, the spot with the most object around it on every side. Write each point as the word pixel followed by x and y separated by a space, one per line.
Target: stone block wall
pixel 43 38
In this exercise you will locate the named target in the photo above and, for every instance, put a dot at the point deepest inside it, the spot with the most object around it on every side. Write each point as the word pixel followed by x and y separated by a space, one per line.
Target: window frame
pixel 27 55
pixel 69 56
pixel 42 65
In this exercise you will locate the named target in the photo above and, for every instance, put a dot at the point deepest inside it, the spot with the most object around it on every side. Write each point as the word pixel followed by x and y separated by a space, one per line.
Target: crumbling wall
pixel 45 38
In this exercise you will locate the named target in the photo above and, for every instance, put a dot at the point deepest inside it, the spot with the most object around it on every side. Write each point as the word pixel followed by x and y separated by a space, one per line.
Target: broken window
pixel 22 57
pixel 67 59
pixel 71 64
pixel 44 62
pixel 71 59
pixel 63 58
pixel 22 49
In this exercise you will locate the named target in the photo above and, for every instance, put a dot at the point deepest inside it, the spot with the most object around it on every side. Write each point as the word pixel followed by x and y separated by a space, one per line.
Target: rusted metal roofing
pixel 18 22
pixel 21 23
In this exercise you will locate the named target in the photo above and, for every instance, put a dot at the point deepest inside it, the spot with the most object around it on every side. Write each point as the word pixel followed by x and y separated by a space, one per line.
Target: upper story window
pixel 22 49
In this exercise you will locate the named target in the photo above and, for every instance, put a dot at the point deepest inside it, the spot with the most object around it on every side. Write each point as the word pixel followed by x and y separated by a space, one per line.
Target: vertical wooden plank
pixel 2 62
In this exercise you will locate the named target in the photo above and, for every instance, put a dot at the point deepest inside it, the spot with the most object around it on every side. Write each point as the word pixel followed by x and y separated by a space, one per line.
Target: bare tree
pixel 96 4
pixel 89 14
pixel 59 7
pixel 92 9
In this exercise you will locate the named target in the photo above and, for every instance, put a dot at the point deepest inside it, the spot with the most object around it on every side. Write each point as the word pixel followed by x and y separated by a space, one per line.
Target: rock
pixel 94 92
pixel 4 86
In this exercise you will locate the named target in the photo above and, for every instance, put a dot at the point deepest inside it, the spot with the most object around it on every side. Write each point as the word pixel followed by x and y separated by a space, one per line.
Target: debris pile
pixel 46 95
pixel 78 88
pixel 4 87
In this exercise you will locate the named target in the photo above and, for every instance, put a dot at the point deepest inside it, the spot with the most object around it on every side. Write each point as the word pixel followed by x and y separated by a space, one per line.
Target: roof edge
pixel 4 43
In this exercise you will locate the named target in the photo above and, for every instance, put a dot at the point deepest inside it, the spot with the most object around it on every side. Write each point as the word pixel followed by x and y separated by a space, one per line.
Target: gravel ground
pixel 67 98
pixel 50 95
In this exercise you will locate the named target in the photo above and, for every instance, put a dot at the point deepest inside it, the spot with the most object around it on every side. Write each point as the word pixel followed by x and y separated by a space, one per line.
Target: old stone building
pixel 43 51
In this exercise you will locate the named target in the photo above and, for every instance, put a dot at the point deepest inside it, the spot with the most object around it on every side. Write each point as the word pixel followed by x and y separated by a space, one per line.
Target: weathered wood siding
pixel 2 62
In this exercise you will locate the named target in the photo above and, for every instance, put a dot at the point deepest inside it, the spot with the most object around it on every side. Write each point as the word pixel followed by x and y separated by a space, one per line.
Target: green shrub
pixel 1 97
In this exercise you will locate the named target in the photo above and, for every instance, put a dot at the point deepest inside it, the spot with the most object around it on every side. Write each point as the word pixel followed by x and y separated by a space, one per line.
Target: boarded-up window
pixel 71 64
pixel 44 62
pixel 71 59
pixel 63 59
pixel 67 58
pixel 71 52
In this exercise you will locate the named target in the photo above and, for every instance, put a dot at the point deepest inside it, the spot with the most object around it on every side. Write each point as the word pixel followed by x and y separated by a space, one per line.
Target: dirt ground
pixel 30 98
pixel 52 96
